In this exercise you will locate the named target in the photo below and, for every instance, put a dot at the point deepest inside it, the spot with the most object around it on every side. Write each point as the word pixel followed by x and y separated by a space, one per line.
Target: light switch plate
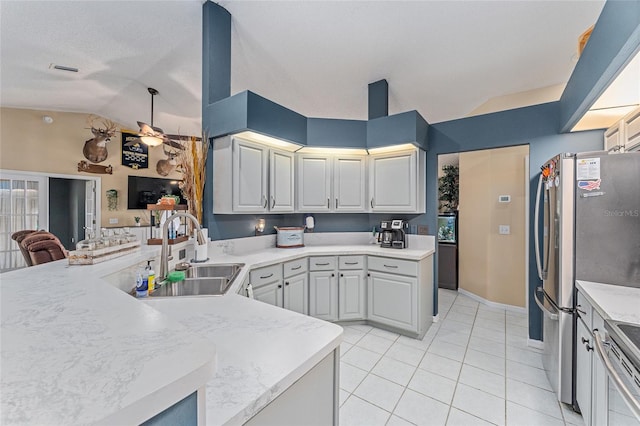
pixel 504 229
pixel 113 220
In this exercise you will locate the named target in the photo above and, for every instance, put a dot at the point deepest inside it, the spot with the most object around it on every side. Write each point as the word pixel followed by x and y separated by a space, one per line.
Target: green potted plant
pixel 137 219
pixel 448 185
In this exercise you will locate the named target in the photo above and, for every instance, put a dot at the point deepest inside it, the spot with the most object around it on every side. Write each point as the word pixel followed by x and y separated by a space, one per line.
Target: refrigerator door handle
pixel 553 316
pixel 536 230
pixel 554 305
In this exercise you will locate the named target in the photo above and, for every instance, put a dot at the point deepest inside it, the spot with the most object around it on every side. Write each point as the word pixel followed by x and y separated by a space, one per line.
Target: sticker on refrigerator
pixel 588 169
pixel 589 185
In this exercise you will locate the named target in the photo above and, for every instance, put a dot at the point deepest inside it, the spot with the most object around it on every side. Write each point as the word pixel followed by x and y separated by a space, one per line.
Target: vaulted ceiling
pixel 446 59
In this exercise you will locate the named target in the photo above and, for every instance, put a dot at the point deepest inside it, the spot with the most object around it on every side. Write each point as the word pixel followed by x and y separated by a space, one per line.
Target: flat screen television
pixel 147 190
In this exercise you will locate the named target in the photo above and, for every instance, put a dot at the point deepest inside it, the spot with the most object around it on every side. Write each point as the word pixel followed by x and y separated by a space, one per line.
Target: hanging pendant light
pixel 149 135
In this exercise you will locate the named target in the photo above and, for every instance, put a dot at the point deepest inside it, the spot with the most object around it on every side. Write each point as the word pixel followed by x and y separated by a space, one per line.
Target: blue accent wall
pixel 406 127
pixel 216 53
pixel 328 132
pixel 613 43
pixel 272 119
pixel 536 126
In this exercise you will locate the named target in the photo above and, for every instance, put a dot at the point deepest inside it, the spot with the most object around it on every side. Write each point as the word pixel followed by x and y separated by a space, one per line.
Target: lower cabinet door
pixel 296 294
pixel 351 295
pixel 393 300
pixel 323 295
pixel 584 351
pixel 269 293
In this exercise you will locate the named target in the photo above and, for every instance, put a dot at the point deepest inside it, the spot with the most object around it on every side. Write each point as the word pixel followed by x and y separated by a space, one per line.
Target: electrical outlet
pixel 113 220
pixel 423 230
pixel 504 229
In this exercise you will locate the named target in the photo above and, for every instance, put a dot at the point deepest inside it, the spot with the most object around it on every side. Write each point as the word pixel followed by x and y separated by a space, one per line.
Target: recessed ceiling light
pixel 63 68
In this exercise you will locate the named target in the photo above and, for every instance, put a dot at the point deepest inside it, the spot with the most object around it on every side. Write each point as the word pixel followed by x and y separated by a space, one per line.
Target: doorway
pixel 67 206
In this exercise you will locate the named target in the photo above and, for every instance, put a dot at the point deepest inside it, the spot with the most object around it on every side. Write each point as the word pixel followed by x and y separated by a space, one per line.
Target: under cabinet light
pixel 391 148
pixel 326 150
pixel 268 140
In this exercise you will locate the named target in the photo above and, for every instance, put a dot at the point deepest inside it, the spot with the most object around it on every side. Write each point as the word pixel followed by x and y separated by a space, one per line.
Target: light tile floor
pixel 472 368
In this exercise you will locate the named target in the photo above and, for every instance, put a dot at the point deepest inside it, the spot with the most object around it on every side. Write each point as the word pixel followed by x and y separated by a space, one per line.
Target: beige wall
pixel 28 144
pixel 491 265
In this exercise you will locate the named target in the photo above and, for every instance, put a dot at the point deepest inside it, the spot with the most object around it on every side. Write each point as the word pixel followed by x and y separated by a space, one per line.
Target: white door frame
pixel 96 179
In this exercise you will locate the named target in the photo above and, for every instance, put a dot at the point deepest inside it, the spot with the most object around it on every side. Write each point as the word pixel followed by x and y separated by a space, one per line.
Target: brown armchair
pixel 42 247
pixel 18 237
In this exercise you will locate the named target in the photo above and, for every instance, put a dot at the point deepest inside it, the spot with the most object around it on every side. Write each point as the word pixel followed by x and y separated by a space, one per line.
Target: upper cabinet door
pixel 314 183
pixel 281 178
pixel 393 182
pixel 249 177
pixel 632 131
pixel 349 184
pixel 613 139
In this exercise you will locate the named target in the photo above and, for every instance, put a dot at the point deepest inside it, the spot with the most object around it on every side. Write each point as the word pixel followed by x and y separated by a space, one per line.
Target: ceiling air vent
pixel 63 68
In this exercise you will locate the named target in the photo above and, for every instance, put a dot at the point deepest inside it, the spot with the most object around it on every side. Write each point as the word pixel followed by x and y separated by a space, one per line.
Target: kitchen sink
pixel 200 280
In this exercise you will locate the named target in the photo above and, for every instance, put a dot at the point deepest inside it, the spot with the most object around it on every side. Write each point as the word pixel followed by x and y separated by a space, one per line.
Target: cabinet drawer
pixel 393 266
pixel 322 263
pixel 584 310
pixel 268 274
pixel 295 267
pixel 351 262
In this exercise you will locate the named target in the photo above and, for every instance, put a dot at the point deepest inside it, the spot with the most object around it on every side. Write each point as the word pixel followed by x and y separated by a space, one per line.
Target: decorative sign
pixel 135 154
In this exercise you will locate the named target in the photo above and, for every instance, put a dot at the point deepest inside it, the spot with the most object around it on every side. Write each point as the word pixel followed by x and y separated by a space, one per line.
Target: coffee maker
pixel 393 233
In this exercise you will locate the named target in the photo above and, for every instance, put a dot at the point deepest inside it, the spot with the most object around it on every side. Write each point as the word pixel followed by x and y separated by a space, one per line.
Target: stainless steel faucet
pixel 164 255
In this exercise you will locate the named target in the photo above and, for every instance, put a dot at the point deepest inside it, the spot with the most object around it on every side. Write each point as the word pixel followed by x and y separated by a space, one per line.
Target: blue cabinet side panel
pixel 269 118
pixel 613 43
pixel 336 133
pixel 226 116
pixel 216 53
pixel 183 413
pixel 378 99
pixel 406 127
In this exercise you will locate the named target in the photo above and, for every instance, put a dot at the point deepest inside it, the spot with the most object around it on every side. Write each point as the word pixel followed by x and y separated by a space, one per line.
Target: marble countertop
pixel 76 350
pixel 615 302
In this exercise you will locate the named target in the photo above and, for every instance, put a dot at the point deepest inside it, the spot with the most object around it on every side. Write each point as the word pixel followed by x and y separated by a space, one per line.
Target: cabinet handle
pixel 322 264
pixel 264 205
pixel 580 311
pixel 391 266
pixel 296 268
pixel 350 263
pixel 336 203
pixel 279 285
pixel 372 203
pixel 342 275
pixel 368 275
pixel 273 201
pixel 328 203
pixel 266 276
pixel 585 340
pixel 286 283
pixel 333 275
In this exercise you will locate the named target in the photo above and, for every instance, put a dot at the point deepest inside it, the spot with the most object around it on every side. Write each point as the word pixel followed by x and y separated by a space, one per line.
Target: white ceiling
pixel 442 58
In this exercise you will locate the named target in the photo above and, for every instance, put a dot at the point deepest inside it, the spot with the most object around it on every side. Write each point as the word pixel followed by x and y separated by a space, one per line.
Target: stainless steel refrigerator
pixel 590 208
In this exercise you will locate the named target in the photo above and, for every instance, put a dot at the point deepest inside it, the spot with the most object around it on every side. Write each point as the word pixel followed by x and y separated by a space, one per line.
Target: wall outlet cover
pixel 504 229
pixel 423 230
pixel 113 220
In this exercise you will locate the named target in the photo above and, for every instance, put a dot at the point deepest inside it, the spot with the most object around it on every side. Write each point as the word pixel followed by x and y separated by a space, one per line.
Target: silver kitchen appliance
pixel 393 233
pixel 590 203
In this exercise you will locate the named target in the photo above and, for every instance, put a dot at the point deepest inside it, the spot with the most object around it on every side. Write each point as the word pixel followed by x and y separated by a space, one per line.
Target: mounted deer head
pixel 95 149
pixel 169 164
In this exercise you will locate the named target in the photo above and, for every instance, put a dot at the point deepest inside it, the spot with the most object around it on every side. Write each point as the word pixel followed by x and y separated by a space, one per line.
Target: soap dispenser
pixel 151 276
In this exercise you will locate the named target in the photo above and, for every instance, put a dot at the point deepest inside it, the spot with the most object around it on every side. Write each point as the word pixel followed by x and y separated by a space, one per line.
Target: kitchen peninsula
pixel 78 349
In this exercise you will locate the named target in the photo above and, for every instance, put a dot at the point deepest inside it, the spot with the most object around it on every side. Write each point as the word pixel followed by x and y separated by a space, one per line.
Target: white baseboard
pixel 484 301
pixel 538 344
pixel 436 318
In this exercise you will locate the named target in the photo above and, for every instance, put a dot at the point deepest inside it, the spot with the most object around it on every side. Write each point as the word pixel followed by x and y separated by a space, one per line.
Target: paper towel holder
pixel 309 223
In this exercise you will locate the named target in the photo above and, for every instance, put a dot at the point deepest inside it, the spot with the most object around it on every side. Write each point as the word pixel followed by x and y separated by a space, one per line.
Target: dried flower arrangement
pixel 193 164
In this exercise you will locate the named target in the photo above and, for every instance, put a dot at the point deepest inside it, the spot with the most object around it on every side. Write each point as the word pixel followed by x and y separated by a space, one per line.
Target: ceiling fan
pixel 154 136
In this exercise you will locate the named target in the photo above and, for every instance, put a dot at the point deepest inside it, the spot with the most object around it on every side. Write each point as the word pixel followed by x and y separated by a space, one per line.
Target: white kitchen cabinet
pixel 323 295
pixel 281 181
pixel 352 295
pixel 349 184
pixel 631 125
pixel 252 178
pixel 269 293
pixel 296 293
pixel 393 300
pixel 397 182
pixel 584 358
pixel 613 138
pixel 314 183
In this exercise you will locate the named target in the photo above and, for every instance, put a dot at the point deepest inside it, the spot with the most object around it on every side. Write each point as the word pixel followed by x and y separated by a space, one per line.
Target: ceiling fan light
pixel 151 140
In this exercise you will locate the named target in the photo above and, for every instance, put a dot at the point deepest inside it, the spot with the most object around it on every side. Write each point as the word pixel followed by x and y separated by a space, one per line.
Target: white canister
pixel 290 236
